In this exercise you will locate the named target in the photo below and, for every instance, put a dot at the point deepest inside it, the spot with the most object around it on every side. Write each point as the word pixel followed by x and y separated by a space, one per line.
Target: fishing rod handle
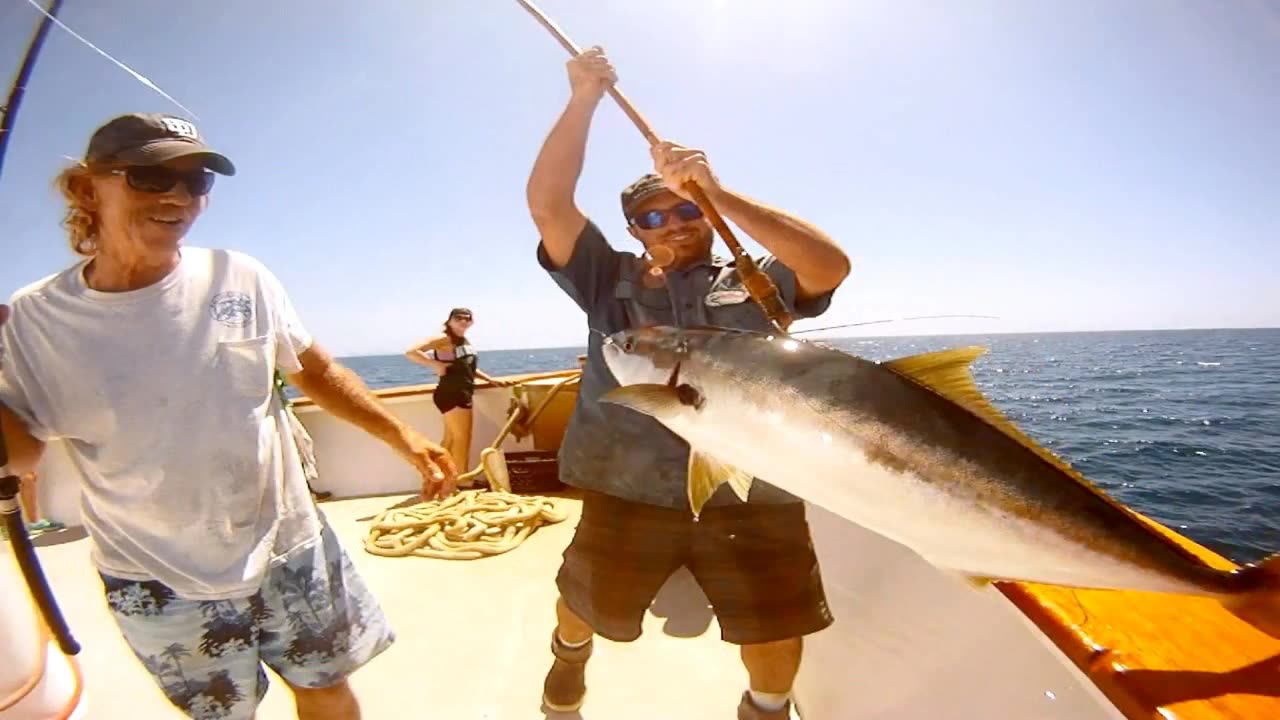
pixel 636 117
pixel 759 286
pixel 25 553
pixel 762 289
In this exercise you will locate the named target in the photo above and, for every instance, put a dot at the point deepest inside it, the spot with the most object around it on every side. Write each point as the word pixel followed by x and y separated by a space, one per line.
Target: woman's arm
pixel 492 381
pixel 418 354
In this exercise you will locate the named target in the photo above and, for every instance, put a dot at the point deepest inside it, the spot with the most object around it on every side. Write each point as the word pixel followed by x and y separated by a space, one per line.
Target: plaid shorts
pixel 755 563
pixel 314 622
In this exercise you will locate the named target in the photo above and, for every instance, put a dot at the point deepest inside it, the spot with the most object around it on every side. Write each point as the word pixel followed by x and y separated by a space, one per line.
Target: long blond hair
pixel 81 220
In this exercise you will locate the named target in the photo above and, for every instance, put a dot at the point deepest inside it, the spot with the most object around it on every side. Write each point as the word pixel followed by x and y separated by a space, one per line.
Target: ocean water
pixel 1182 426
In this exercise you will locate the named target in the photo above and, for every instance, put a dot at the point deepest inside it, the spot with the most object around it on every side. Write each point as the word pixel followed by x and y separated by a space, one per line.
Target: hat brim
pixel 163 151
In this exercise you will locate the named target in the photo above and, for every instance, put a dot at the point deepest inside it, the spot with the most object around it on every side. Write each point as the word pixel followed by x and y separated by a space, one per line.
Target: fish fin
pixel 655 400
pixel 1260 607
pixel 946 373
pixel 707 474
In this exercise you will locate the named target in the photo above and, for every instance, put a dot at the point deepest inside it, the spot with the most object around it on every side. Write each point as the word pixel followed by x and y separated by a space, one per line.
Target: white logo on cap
pixel 180 127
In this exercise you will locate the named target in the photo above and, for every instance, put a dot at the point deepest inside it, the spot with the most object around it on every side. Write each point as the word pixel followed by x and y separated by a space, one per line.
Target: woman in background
pixel 454 360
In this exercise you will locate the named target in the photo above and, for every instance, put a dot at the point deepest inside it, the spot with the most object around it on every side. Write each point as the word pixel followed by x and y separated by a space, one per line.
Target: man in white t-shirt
pixel 154 362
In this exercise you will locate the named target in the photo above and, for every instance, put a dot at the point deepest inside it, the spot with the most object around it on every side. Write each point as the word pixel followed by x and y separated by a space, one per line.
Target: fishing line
pixel 124 67
pixel 889 320
pixel 857 324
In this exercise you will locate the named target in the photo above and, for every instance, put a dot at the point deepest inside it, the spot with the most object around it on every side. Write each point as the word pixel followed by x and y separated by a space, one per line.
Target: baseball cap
pixel 151 139
pixel 645 187
pixel 460 313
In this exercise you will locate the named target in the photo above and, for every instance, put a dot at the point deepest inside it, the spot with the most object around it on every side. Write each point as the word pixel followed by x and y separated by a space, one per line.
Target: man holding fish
pixel 751 555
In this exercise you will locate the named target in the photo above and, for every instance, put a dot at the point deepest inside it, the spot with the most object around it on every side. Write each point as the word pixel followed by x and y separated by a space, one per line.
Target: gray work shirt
pixel 616 450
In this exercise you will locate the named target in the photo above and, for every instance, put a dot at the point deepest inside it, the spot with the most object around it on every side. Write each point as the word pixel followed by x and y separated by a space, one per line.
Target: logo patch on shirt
pixel 233 309
pixel 720 298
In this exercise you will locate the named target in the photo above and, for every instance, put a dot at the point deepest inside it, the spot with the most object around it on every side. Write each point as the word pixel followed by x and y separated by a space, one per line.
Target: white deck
pixel 473 639
pixel 473 636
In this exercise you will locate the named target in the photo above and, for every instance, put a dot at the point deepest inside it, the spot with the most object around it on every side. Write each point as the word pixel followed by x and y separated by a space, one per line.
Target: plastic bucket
pixel 57 693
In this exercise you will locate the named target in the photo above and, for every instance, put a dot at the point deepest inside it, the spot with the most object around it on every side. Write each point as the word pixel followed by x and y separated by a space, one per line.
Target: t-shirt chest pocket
pixel 246 367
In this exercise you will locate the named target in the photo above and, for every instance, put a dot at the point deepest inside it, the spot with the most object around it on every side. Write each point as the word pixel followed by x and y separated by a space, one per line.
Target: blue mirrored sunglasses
pixel 654 219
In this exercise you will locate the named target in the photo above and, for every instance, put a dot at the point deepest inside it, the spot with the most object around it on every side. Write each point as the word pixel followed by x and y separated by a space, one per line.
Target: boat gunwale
pixel 408 391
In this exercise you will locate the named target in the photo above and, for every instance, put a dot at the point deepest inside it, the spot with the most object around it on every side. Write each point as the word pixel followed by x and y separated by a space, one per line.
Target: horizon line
pixel 920 335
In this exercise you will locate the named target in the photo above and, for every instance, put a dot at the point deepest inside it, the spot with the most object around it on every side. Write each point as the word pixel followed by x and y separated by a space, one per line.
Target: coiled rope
pixel 466 526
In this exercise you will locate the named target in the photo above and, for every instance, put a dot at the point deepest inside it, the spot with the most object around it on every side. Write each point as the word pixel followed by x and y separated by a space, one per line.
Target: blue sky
pixel 1063 164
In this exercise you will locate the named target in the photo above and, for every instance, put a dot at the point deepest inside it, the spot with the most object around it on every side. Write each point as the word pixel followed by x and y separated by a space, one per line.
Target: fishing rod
pixel 16 93
pixel 28 563
pixel 24 74
pixel 10 509
pixel 759 285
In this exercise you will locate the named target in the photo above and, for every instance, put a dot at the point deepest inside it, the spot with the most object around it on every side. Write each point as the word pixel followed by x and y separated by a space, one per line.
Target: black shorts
pixel 447 400
pixel 755 563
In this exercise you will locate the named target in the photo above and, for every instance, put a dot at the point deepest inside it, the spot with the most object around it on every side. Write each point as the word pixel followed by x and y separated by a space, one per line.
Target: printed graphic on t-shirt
pixel 233 309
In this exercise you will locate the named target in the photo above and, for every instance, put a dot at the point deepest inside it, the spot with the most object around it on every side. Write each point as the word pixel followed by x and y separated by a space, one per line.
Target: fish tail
pixel 1260 604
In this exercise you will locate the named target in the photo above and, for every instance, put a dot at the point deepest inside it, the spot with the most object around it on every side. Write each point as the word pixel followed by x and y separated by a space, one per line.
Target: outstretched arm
pixel 340 391
pixel 554 178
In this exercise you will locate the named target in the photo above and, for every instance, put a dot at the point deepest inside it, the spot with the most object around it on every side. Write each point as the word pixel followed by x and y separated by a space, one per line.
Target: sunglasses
pixel 161 179
pixel 654 219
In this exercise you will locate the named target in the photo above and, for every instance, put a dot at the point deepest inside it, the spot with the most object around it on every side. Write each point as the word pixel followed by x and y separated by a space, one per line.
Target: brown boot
pixel 747 710
pixel 566 684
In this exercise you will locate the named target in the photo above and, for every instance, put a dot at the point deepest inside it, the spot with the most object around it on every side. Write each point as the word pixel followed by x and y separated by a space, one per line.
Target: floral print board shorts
pixel 314 622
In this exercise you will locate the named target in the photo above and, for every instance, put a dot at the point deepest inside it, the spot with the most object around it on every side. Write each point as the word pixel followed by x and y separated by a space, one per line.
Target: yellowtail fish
pixel 909 449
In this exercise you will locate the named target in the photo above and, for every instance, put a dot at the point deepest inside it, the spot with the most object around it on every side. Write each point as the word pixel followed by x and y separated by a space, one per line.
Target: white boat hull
pixel 911 641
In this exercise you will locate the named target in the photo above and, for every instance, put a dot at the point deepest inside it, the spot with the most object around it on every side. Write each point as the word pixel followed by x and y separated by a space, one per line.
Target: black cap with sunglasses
pixel 151 139
pixel 142 142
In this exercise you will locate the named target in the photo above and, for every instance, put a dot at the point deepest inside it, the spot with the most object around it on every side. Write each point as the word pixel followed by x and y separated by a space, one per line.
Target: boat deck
pixel 473 640
pixel 909 641
pixel 472 637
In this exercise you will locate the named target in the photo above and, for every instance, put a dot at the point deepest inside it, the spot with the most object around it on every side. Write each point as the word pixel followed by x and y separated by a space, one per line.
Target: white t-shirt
pixel 165 399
